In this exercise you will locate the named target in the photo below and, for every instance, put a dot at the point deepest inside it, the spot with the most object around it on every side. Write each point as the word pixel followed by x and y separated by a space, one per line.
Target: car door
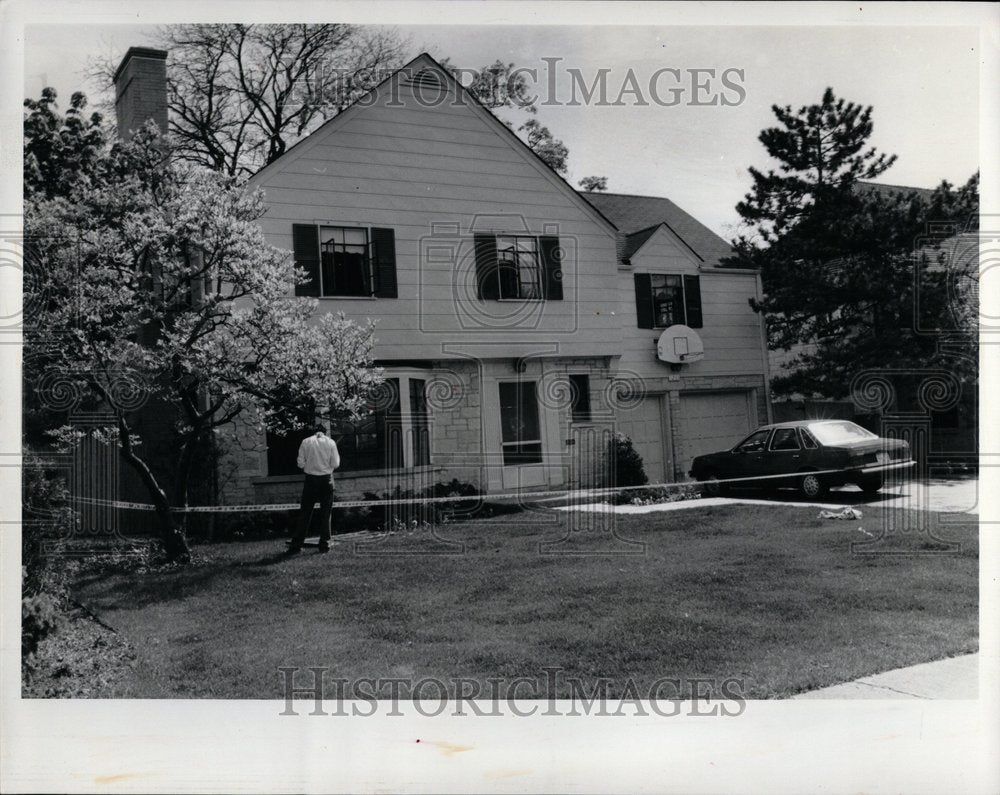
pixel 748 456
pixel 784 454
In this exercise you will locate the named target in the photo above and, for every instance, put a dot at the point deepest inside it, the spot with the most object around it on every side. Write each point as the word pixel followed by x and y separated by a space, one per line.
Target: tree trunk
pixel 174 543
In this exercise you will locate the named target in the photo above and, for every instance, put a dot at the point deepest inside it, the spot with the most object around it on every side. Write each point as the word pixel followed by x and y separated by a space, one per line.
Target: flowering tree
pixel 152 283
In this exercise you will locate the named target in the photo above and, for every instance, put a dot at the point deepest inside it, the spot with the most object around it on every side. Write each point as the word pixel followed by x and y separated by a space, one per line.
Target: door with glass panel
pixel 521 434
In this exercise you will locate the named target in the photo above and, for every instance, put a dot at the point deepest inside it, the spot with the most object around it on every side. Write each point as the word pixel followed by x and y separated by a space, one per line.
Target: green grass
pixel 768 594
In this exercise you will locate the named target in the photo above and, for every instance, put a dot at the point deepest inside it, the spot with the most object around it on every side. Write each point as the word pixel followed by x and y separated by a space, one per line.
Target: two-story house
pixel 517 319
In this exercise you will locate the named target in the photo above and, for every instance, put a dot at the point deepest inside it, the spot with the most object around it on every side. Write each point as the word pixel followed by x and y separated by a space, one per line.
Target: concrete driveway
pixel 952 495
pixel 940 495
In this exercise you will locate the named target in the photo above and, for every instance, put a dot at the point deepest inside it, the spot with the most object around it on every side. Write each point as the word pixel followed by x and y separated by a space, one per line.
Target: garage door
pixel 644 425
pixel 707 422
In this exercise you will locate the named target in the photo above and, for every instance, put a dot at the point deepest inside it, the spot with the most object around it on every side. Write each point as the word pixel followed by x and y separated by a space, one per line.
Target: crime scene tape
pixel 581 493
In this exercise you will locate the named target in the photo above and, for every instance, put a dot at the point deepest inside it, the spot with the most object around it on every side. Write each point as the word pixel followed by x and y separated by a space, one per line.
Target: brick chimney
pixel 141 90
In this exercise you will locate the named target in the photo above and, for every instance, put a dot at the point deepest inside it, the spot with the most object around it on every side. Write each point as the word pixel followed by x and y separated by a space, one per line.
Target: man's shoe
pixel 293 549
pixel 323 548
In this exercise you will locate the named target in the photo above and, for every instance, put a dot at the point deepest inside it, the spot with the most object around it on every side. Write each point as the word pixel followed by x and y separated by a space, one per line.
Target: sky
pixel 921 81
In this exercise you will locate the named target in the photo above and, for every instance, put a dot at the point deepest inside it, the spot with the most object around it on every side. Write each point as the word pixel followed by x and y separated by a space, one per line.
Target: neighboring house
pixel 517 319
pixel 953 437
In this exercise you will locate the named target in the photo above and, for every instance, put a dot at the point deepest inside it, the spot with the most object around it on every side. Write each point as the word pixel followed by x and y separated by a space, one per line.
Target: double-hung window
pixel 345 261
pixel 518 273
pixel 668 299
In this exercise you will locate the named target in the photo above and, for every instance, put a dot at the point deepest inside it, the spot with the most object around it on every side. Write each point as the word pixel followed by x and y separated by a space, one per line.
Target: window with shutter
pixel 346 260
pixel 524 267
pixel 665 299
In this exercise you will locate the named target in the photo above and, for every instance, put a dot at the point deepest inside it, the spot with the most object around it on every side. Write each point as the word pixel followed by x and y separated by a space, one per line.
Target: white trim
pixel 720 271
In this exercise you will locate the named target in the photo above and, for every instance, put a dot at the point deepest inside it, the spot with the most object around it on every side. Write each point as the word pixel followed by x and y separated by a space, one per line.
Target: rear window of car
pixel 839 432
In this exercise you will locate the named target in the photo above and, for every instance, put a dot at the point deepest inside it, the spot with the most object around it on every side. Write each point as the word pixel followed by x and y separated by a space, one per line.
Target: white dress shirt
pixel 318 455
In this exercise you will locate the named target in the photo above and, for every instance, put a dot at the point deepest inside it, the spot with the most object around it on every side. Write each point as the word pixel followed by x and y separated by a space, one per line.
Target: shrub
pixel 40 617
pixel 48 521
pixel 47 517
pixel 655 495
pixel 626 463
pixel 410 511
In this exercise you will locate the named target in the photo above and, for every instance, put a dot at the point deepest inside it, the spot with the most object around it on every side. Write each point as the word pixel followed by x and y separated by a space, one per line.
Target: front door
pixel 521 435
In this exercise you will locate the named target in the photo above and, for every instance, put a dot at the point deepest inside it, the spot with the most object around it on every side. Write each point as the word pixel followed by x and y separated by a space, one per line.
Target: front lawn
pixel 768 594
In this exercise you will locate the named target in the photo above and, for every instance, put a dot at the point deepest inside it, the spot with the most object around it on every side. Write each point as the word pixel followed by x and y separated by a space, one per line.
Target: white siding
pixel 436 175
pixel 731 331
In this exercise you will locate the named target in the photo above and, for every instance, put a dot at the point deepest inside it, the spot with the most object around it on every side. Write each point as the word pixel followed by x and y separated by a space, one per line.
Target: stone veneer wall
pixel 455 409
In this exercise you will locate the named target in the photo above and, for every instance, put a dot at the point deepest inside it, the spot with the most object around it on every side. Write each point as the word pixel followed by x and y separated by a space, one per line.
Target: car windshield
pixel 839 432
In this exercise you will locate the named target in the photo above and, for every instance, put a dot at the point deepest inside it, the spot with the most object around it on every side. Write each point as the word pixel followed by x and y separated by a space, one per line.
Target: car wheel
pixel 712 486
pixel 812 486
pixel 871 485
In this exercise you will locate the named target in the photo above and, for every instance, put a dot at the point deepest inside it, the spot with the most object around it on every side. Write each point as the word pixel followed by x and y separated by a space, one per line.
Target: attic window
pixel 426 78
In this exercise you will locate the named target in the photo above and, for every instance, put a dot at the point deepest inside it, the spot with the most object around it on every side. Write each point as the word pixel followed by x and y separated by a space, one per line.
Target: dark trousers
pixel 317 488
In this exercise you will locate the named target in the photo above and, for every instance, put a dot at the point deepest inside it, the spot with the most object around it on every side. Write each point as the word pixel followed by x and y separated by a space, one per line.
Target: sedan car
pixel 812 455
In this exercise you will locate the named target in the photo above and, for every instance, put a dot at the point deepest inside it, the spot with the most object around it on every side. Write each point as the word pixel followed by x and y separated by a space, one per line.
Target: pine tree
pixel 840 257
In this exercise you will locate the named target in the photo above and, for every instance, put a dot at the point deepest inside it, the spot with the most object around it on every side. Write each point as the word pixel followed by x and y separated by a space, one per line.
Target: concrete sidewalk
pixel 953 678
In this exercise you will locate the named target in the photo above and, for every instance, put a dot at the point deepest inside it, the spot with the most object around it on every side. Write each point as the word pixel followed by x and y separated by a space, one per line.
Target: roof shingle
pixel 635 215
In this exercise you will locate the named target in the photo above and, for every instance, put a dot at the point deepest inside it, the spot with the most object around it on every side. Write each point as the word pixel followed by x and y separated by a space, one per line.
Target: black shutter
pixel 384 262
pixel 487 284
pixel 552 260
pixel 692 301
pixel 305 247
pixel 643 300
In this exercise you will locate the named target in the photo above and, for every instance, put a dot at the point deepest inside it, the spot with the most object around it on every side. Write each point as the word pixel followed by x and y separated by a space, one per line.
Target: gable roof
pixel 639 215
pixel 637 240
pixel 417 69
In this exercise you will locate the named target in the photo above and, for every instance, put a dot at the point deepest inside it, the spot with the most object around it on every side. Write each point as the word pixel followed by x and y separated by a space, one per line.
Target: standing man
pixel 318 457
